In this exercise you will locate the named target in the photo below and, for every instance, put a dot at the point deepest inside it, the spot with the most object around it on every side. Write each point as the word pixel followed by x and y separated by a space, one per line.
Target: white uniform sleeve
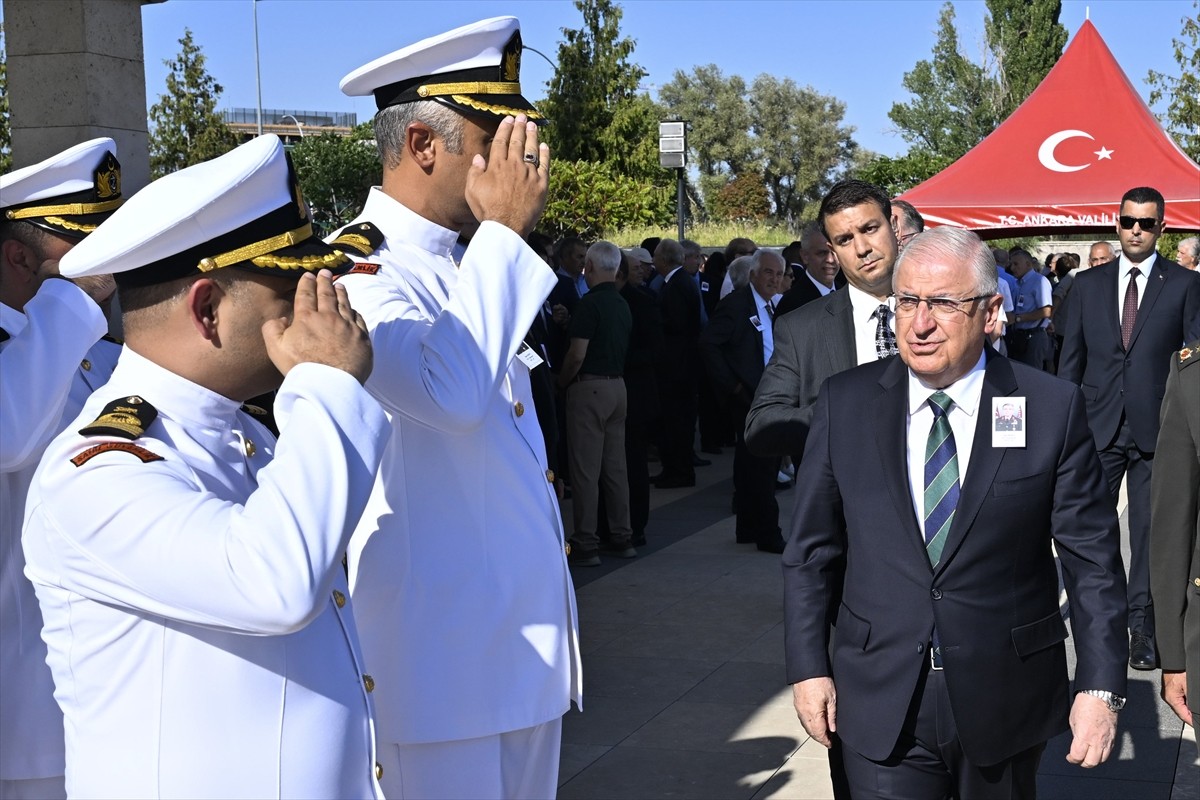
pixel 37 365
pixel 445 372
pixel 147 536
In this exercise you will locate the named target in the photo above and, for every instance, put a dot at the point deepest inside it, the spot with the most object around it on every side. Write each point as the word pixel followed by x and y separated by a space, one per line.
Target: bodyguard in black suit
pixel 1117 348
pixel 679 304
pixel 734 348
pixel 921 594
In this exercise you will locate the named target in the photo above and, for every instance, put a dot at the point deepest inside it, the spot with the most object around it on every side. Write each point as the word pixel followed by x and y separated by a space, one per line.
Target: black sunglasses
pixel 1147 223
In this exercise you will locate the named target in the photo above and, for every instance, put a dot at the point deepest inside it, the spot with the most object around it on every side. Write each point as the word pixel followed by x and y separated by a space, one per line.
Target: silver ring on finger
pixel 532 158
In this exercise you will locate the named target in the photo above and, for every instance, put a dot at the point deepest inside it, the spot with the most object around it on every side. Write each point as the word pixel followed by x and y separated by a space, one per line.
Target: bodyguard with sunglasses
pixel 1127 317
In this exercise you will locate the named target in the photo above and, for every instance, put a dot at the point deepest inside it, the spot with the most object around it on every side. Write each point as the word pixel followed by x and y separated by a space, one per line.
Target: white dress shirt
pixel 767 324
pixel 863 307
pixel 458 570
pixel 193 594
pixel 822 288
pixel 1142 280
pixel 39 365
pixel 963 416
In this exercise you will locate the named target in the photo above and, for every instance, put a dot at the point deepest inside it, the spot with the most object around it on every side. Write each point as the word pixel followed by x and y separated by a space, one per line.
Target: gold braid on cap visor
pixel 259 254
pixel 68 208
pixel 469 87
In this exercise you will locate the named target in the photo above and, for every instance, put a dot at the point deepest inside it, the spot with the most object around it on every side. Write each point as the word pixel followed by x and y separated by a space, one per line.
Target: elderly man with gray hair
pixel 592 376
pixel 1188 253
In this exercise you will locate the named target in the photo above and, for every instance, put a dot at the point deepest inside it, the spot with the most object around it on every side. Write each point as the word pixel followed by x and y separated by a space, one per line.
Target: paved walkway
pixel 684 682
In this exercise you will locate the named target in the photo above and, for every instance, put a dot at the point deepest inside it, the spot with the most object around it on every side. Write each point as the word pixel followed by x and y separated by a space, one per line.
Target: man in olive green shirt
pixel 592 375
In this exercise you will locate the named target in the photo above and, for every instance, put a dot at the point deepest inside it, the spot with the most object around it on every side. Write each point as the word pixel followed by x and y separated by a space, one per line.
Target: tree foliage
pixel 336 173
pixel 5 130
pixel 185 127
pixel 956 101
pixel 898 175
pixel 743 199
pixel 593 81
pixel 804 149
pixel 1182 92
pixel 718 115
pixel 588 199
pixel 1026 39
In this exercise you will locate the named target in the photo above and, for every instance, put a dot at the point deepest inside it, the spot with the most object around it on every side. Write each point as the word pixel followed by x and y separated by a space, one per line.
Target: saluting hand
pixel 324 330
pixel 509 186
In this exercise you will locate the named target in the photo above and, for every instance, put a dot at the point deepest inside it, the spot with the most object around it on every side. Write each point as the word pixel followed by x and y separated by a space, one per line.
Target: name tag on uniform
pixel 528 356
pixel 704 286
pixel 1008 422
pixel 757 323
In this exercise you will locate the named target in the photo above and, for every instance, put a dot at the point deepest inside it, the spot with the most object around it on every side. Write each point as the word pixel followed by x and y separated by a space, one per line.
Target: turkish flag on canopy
pixel 1062 160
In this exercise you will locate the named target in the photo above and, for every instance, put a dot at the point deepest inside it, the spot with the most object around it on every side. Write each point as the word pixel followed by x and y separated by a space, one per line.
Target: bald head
pixel 1100 253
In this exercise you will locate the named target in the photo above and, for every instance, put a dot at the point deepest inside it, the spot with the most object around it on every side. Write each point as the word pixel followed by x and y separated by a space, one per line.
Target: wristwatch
pixel 1114 701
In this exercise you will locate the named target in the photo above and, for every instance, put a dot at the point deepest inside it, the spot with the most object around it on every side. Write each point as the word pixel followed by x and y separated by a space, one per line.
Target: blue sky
pixel 856 50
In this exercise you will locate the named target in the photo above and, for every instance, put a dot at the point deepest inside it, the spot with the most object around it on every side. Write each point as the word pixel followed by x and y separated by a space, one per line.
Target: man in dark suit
pixel 1175 536
pixel 927 548
pixel 845 328
pixel 820 274
pixel 679 304
pixel 1126 319
pixel 734 347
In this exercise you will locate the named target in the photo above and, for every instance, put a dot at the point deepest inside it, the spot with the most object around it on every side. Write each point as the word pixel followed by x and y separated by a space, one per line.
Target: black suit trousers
pixel 753 486
pixel 1123 459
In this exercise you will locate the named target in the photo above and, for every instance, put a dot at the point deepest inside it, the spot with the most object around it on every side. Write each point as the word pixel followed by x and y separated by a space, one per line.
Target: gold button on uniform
pixel 519 408
pixel 1197 581
pixel 378 771
pixel 87 365
pixel 250 448
pixel 339 598
pixel 369 683
pixel 567 548
pixel 550 475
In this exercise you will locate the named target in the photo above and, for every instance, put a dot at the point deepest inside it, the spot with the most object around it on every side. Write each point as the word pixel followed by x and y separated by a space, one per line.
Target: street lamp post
pixel 299 126
pixel 672 153
pixel 257 72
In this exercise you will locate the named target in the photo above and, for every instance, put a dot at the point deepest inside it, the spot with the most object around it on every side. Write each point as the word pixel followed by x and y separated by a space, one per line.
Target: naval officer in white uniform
pixel 187 564
pixel 458 572
pixel 46 329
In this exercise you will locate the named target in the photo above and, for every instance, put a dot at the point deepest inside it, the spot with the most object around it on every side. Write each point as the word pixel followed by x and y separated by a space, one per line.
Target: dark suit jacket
pixel 645 349
pixel 1175 526
pixel 1116 382
pixel 731 348
pixel 811 343
pixel 557 340
pixel 993 596
pixel 803 291
pixel 679 304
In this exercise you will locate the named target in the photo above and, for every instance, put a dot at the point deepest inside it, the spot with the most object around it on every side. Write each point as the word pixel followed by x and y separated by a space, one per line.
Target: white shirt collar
pixel 671 274
pixel 400 223
pixel 863 304
pixel 965 392
pixel 1144 267
pixel 11 320
pixel 171 394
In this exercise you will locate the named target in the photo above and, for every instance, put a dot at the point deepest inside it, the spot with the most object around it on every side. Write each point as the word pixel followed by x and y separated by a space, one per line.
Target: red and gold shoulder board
pixel 127 418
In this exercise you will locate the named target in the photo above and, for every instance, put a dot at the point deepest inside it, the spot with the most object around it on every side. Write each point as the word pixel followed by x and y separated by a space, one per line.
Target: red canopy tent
pixel 1062 160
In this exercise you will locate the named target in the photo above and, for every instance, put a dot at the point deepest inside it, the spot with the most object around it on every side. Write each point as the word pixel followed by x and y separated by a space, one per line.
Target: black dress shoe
pixel 775 545
pixel 674 482
pixel 1141 652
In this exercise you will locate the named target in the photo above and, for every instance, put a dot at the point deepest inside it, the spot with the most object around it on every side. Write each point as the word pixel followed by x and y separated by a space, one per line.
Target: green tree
pixel 185 127
pixel 954 99
pixel 5 130
pixel 803 150
pixel 1026 39
pixel 743 199
pixel 719 124
pixel 1182 92
pixel 588 199
pixel 592 82
pixel 898 175
pixel 336 172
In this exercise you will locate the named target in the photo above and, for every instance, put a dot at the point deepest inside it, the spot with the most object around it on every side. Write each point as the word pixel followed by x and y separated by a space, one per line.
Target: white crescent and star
pixel 1050 162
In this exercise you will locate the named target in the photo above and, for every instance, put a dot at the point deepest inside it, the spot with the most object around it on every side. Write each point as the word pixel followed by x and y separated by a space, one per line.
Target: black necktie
pixel 885 339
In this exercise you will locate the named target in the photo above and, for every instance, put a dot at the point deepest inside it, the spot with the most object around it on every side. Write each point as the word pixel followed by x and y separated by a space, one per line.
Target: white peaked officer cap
pixel 242 210
pixel 475 69
pixel 69 193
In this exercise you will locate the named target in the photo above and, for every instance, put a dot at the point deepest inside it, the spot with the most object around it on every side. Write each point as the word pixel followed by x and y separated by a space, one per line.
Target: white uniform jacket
pixel 38 362
pixel 460 582
pixel 193 594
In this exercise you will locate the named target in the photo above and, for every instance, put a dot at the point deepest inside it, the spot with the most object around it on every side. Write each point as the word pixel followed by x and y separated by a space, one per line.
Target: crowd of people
pixel 302 533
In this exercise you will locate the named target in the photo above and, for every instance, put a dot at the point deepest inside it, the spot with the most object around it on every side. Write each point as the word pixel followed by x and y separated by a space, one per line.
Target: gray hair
pixel 605 256
pixel 689 246
pixel 670 251
pixel 739 270
pixel 391 125
pixel 756 260
pixel 957 246
pixel 1191 245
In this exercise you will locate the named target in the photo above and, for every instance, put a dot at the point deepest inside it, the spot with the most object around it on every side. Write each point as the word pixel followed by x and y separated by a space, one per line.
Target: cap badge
pixel 108 178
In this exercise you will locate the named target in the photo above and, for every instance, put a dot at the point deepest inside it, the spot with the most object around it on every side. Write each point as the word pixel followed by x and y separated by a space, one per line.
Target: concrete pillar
pixel 75 72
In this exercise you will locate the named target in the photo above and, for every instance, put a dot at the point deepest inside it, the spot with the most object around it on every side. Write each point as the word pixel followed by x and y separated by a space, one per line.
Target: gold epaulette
pixel 127 418
pixel 361 237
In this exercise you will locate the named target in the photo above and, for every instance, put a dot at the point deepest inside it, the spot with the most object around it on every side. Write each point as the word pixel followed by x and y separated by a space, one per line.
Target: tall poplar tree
pixel 185 127
pixel 1182 92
